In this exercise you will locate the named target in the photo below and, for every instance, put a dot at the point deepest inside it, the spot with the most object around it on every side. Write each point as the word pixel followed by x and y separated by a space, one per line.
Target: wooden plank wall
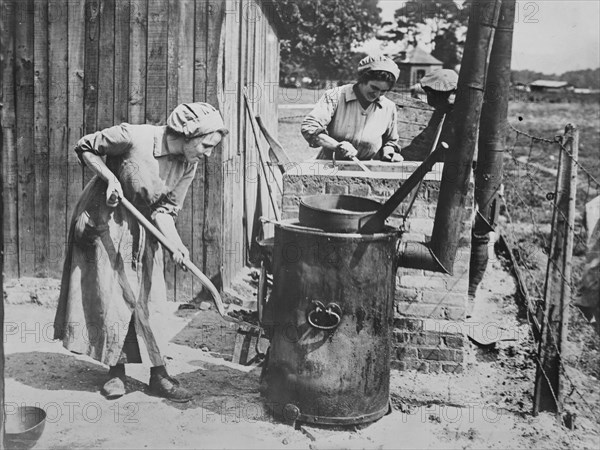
pixel 77 66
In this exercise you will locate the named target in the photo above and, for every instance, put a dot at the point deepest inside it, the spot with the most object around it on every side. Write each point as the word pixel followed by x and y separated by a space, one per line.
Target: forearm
pixel 166 225
pixel 326 141
pixel 97 164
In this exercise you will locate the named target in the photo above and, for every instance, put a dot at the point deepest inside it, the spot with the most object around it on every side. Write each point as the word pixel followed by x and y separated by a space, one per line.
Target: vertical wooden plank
pixel 213 197
pixel 9 166
pixel 185 93
pixel 173 58
pixel 238 185
pixel 57 122
pixel 2 358
pixel 265 202
pixel 156 95
pixel 270 94
pixel 229 112
pixel 156 69
pixel 228 148
pixel 24 120
pixel 251 167
pixel 40 108
pixel 91 54
pixel 121 61
pixel 3 64
pixel 76 61
pixel 137 60
pixel 180 81
pixel 199 94
pixel 273 77
pixel 238 182
pixel 106 63
pixel 90 73
pixel 242 81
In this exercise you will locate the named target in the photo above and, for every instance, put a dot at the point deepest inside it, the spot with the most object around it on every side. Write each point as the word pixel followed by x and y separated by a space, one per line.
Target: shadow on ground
pixel 56 371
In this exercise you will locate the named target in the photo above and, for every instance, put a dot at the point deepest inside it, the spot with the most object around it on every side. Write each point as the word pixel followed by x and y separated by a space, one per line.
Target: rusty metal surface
pixel 338 375
pixel 336 213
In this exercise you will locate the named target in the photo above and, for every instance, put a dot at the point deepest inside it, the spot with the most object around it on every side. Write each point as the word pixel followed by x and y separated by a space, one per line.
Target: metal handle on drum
pixel 320 316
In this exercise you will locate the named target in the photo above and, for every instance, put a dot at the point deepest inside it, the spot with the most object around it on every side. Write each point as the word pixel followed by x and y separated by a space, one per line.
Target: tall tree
pixel 442 24
pixel 319 34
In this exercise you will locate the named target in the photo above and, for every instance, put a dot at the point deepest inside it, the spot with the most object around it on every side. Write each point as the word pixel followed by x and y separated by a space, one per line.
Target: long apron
pixel 112 285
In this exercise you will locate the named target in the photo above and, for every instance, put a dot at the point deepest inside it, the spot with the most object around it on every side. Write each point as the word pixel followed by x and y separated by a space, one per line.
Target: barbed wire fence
pixel 539 207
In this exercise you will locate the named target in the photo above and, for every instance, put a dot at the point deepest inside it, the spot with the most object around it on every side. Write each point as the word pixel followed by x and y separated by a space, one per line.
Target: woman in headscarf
pixel 113 285
pixel 356 120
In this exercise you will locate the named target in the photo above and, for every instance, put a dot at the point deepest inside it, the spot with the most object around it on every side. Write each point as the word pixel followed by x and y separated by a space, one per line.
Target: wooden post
pixel 9 150
pixel 557 289
pixel 213 181
pixel 59 152
pixel 40 139
pixel 24 114
pixel 200 58
pixel 2 62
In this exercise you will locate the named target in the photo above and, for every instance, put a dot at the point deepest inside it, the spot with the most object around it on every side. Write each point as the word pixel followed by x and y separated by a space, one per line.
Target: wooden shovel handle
pixel 169 246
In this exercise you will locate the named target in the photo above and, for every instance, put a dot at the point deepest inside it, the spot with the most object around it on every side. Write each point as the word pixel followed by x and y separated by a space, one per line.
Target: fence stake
pixel 557 290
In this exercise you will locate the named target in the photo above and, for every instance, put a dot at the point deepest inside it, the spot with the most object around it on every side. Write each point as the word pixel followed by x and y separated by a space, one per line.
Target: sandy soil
pixel 488 406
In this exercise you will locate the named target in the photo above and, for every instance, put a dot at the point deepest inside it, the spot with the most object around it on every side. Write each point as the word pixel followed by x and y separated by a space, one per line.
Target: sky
pixel 550 36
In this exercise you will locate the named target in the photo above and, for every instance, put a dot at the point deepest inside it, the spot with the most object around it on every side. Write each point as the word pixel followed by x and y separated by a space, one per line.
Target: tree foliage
pixel 442 24
pixel 318 35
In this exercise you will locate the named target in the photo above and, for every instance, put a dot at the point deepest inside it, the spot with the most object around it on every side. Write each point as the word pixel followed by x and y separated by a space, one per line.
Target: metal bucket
pixel 330 316
pixel 24 427
pixel 336 213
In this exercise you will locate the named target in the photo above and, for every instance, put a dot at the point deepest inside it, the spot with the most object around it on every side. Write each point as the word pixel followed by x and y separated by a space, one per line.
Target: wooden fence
pixel 72 67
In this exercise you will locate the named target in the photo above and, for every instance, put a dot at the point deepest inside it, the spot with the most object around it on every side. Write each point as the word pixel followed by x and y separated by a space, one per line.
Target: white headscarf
pixel 196 119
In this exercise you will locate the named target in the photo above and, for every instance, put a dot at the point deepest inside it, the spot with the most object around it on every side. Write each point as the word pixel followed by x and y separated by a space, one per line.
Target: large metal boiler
pixel 330 317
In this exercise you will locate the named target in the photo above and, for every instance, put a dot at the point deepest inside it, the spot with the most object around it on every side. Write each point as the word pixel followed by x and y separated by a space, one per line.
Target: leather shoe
pixel 114 388
pixel 169 388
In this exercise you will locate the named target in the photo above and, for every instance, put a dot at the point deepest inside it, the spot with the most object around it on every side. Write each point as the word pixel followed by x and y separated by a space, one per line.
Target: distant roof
pixel 418 56
pixel 549 83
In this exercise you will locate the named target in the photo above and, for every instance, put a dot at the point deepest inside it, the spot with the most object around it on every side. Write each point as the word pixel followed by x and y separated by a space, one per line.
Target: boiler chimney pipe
pixel 449 217
pixel 492 143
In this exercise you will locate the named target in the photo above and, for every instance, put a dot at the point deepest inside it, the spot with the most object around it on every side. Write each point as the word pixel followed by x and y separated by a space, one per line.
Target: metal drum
pixel 330 316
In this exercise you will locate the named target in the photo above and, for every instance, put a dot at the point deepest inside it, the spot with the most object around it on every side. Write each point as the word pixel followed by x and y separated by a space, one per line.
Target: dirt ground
pixel 487 406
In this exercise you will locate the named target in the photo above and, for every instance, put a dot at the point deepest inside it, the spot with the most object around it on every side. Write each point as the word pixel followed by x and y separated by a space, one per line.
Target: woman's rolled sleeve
pixel 172 202
pixel 391 138
pixel 110 141
pixel 318 119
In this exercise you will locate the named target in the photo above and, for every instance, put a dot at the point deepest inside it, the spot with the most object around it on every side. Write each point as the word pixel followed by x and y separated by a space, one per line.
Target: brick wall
pixel 429 307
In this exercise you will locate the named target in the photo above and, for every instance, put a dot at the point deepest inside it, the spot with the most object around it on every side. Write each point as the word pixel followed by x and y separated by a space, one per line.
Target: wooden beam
pixel 137 60
pixel 58 149
pixel 9 166
pixel 75 89
pixel 156 65
pixel 40 138
pixel 24 98
pixel 121 62
pixel 180 86
pixel 199 95
pixel 106 62
pixel 213 197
